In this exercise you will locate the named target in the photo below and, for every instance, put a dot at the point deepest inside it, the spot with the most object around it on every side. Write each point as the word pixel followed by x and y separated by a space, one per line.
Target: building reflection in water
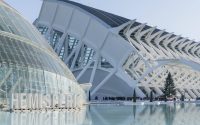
pixel 173 114
pixel 68 117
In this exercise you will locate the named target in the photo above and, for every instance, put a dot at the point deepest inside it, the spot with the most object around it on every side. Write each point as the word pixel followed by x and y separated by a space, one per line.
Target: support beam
pixel 187 96
pixel 94 69
pixel 148 90
pixel 191 94
pixel 84 69
pixel 139 92
pixel 158 91
pixel 197 93
pixel 103 82
pixel 15 85
pixel 6 77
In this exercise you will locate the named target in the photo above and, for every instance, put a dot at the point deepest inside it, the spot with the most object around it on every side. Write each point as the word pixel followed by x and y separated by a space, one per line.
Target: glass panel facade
pixel 62 51
pixel 72 43
pixel 27 62
pixel 19 52
pixel 88 55
pixel 12 22
pixel 16 79
pixel 55 37
pixel 43 29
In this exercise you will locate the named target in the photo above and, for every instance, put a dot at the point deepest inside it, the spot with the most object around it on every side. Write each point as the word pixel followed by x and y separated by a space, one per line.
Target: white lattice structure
pixel 118 55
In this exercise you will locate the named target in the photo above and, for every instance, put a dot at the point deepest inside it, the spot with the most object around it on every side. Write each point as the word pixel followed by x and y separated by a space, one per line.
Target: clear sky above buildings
pixel 179 16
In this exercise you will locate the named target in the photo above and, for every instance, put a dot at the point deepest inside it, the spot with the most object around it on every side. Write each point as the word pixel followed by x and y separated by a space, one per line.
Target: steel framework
pixel 116 54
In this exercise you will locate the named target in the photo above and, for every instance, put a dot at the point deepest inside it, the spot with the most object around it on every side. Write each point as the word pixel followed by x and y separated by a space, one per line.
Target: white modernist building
pixel 118 55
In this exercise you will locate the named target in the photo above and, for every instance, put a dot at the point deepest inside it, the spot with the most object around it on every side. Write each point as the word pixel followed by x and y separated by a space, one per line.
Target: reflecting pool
pixel 171 114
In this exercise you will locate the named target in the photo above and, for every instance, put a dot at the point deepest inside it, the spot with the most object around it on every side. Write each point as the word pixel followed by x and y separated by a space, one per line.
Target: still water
pixel 171 114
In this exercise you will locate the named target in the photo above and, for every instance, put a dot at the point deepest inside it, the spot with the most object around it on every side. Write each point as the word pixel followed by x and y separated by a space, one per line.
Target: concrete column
pixel 52 101
pixel 74 100
pixel 66 101
pixel 78 101
pixel 195 90
pixel 23 104
pixel 35 98
pixel 29 101
pixel 70 100
pixel 139 93
pixel 178 94
pixel 11 106
pixel 148 90
pixel 184 93
pixel 191 94
pixel 55 100
pixel 158 91
pixel 19 101
pixel 40 101
pixel 48 100
pixel 59 101
pixel 187 96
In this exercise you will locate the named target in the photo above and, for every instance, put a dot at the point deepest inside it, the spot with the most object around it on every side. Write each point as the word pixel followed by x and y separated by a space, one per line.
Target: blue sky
pixel 179 16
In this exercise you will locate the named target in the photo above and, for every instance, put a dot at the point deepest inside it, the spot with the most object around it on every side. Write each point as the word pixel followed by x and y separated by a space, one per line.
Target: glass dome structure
pixel 27 62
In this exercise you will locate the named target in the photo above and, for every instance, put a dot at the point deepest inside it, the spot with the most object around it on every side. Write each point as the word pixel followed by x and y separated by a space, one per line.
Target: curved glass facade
pixel 27 62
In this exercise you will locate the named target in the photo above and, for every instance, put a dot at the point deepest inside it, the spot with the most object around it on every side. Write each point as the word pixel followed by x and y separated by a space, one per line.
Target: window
pixel 55 37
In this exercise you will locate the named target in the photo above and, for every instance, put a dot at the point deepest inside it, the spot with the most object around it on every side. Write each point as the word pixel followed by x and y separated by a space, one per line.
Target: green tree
pixel 134 96
pixel 169 88
pixel 151 96
pixel 182 97
pixel 89 98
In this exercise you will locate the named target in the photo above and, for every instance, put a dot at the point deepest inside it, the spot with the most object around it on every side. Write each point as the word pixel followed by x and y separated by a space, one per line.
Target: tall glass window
pixel 55 37
pixel 62 51
pixel 72 43
pixel 43 29
pixel 88 55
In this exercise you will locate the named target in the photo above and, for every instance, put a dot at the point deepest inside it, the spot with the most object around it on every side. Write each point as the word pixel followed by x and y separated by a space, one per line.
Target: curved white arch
pixel 133 51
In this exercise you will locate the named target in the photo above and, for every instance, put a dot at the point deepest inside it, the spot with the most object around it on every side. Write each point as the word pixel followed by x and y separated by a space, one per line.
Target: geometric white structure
pixel 118 55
